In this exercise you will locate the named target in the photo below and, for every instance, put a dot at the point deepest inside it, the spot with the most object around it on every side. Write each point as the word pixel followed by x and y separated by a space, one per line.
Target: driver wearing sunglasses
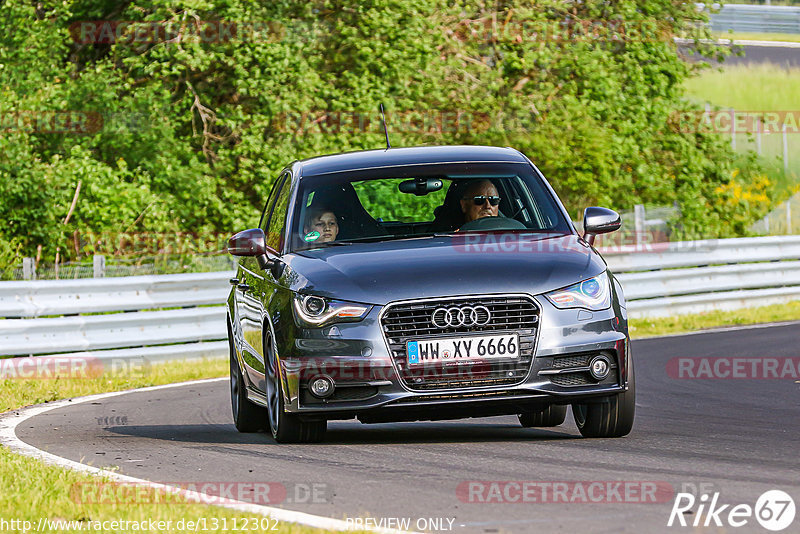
pixel 480 200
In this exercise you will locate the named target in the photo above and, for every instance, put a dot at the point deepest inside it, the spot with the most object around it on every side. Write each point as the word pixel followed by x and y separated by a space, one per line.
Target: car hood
pixel 379 273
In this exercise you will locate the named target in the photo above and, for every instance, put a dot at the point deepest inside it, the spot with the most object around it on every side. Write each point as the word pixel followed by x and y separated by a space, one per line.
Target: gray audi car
pixel 425 283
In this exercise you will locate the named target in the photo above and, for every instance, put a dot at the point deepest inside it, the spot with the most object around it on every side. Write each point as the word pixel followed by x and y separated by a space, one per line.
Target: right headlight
pixel 315 311
pixel 593 294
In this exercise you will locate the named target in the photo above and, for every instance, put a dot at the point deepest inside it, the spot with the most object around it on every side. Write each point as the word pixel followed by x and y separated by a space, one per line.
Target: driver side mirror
pixel 253 243
pixel 599 221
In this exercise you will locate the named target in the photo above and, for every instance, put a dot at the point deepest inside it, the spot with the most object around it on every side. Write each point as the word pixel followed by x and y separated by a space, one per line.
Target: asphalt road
pixel 786 57
pixel 737 437
pixel 778 55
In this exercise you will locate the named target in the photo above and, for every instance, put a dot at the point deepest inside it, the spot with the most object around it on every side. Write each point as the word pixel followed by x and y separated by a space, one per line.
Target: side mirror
pixel 253 243
pixel 599 221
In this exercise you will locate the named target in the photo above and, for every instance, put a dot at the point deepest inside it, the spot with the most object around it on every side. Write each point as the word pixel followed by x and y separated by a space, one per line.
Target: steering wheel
pixel 492 223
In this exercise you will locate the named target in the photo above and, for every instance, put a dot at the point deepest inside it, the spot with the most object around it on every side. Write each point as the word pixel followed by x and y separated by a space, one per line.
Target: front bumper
pixel 367 384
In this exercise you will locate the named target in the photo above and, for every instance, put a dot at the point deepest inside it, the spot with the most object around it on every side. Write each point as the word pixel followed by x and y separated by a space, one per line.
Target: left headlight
pixel 314 311
pixel 593 294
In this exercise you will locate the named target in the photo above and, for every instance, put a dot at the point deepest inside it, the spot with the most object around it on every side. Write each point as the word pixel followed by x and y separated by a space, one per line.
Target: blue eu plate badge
pixel 413 351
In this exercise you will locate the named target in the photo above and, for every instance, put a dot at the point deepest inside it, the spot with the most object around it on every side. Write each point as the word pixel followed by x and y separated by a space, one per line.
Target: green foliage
pixel 381 200
pixel 9 257
pixel 194 131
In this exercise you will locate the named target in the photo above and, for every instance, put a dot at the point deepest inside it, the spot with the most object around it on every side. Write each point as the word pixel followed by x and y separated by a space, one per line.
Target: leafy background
pixel 194 131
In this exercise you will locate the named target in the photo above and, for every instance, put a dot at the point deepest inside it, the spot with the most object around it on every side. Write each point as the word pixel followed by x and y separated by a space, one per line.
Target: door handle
pixel 243 287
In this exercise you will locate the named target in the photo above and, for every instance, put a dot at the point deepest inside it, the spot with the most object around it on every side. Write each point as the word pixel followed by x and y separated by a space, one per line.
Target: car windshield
pixel 386 204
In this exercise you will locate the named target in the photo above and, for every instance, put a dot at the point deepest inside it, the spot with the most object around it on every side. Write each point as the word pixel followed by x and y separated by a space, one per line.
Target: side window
pixel 277 220
pixel 271 201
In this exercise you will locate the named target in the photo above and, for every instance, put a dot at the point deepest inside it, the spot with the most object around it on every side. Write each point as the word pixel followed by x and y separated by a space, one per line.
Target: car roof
pixel 369 159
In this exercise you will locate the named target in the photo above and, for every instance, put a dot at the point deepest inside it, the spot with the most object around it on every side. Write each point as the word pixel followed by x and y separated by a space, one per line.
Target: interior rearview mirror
pixel 421 186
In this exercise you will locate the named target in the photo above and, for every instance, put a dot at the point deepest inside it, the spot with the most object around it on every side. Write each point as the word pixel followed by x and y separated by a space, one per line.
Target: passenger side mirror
pixel 599 221
pixel 253 243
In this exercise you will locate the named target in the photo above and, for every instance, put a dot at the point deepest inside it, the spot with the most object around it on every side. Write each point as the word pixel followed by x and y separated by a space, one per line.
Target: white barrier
pixel 708 252
pixel 658 280
pixel 117 318
pixel 755 18
pixel 663 279
pixel 128 293
pixel 110 331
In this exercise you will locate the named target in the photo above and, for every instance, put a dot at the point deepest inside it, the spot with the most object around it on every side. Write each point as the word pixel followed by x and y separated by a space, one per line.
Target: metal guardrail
pixel 110 331
pixel 655 256
pixel 755 18
pixel 97 295
pixel 658 279
pixel 665 279
pixel 155 317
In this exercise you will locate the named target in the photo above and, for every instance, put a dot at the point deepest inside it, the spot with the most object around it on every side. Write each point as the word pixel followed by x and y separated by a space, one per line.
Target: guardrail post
pixel 785 150
pixel 28 269
pixel 638 224
pixel 788 217
pixel 758 136
pixel 99 266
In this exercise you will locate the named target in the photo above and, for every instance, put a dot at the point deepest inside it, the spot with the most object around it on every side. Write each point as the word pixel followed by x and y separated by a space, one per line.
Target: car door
pixel 257 286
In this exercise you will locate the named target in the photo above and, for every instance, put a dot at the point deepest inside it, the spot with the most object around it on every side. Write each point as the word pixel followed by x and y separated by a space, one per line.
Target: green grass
pixel 641 328
pixel 748 87
pixel 764 87
pixel 748 36
pixel 34 490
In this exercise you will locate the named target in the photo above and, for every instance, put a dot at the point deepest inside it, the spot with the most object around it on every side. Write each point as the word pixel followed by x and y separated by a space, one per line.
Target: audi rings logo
pixel 461 316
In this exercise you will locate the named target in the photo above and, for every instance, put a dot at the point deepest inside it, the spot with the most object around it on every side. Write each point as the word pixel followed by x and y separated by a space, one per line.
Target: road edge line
pixel 13 418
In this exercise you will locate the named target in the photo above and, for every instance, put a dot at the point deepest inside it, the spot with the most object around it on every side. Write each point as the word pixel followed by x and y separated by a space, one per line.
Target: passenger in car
pixel 321 225
pixel 480 199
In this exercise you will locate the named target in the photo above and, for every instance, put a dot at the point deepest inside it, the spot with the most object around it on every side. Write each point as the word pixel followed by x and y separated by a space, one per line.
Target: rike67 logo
pixel 774 510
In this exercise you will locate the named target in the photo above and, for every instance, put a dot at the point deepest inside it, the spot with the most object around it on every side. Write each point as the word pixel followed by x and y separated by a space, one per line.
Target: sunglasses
pixel 480 200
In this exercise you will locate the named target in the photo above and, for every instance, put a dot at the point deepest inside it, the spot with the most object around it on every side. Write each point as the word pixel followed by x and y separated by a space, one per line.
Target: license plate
pixel 462 349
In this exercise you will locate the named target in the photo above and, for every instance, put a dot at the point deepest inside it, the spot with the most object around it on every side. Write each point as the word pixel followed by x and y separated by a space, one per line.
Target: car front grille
pixel 412 321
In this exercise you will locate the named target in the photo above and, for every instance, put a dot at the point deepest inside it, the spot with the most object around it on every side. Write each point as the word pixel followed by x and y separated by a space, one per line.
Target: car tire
pixel 247 417
pixel 286 427
pixel 612 418
pixel 552 415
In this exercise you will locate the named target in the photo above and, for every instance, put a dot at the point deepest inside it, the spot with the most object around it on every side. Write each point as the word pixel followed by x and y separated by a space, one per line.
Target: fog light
pixel 321 386
pixel 599 367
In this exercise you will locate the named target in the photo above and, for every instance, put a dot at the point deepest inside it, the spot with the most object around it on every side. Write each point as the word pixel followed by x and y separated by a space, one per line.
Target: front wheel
pixel 552 415
pixel 247 417
pixel 286 427
pixel 610 419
